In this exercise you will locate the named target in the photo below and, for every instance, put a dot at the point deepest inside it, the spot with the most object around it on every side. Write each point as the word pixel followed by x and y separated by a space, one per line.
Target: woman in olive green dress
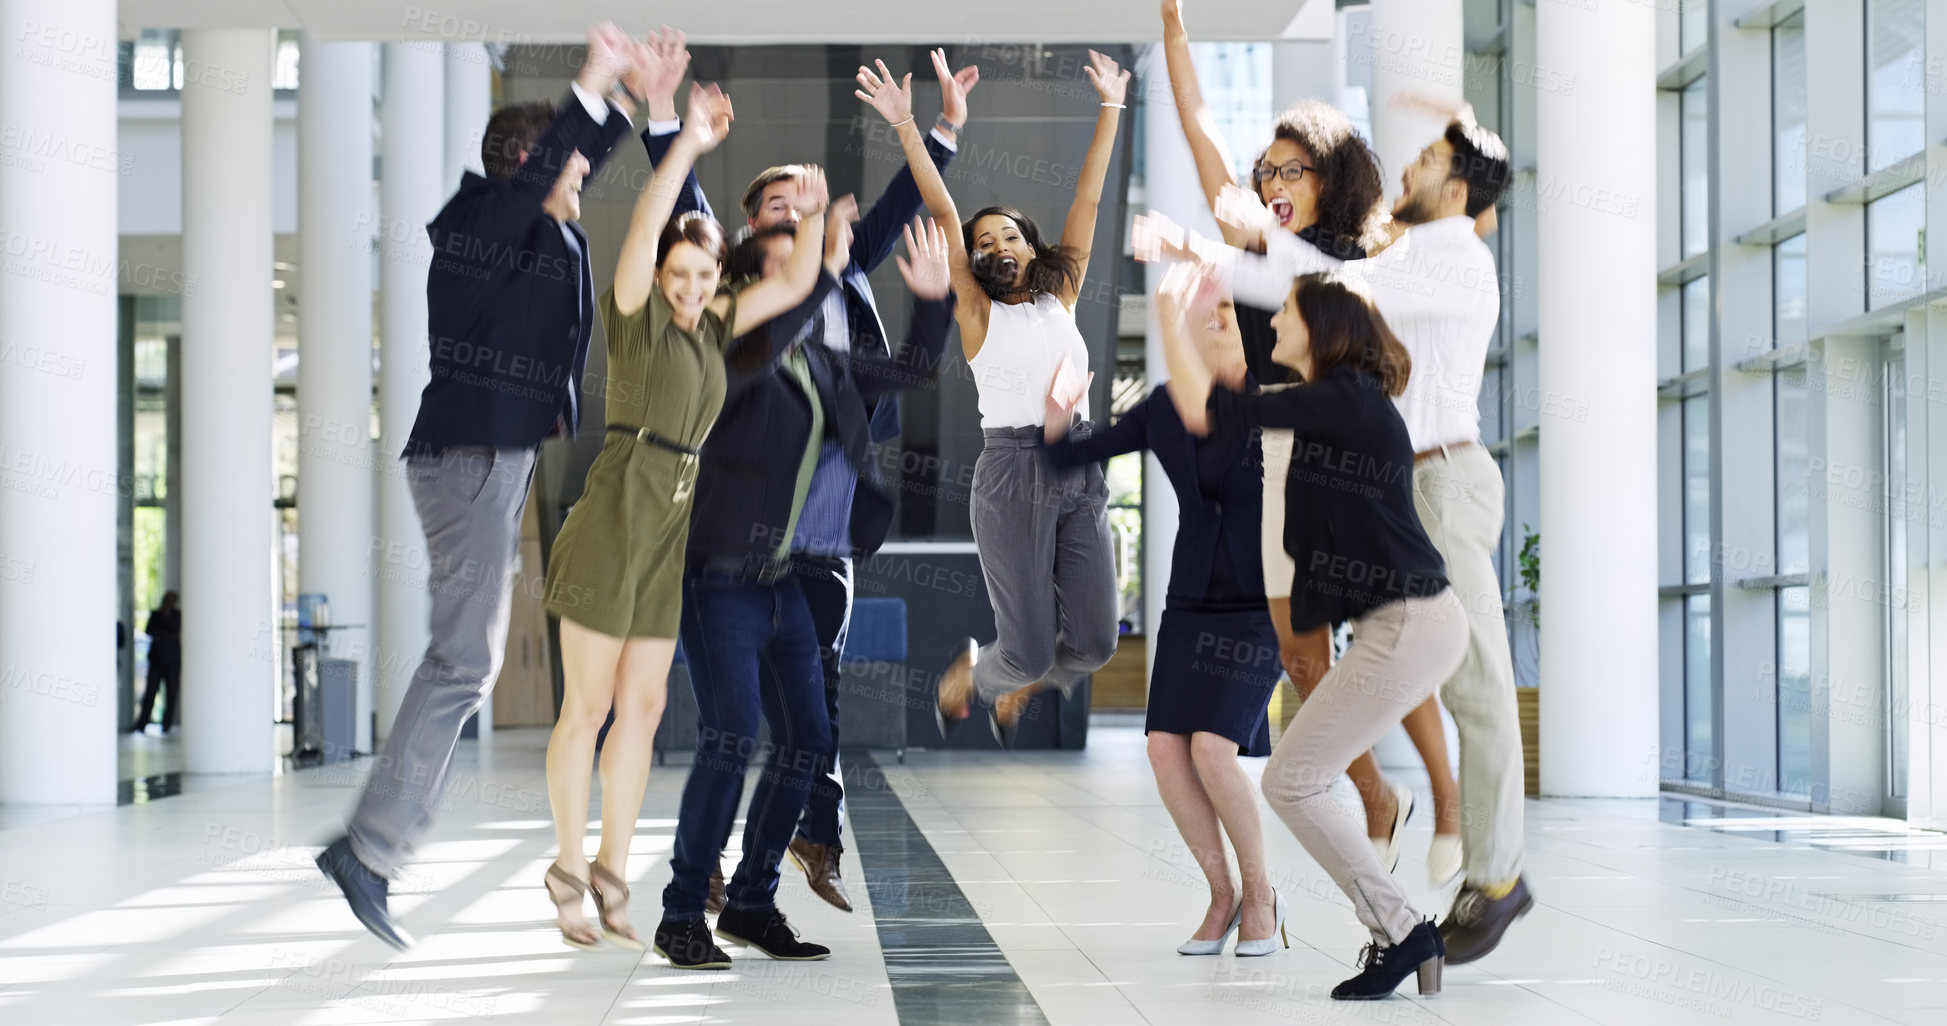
pixel 615 574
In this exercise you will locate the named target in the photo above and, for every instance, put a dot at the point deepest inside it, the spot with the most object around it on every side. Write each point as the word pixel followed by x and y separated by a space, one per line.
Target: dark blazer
pixel 1229 519
pixel 873 239
pixel 1349 519
pixel 509 304
pixel 749 468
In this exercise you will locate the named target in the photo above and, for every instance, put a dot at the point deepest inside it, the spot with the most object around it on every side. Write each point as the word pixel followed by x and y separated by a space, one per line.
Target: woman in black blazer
pixel 1216 649
pixel 1361 556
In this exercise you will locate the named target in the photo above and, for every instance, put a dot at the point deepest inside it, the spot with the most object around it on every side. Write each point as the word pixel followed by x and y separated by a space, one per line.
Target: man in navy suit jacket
pixel 849 324
pixel 510 306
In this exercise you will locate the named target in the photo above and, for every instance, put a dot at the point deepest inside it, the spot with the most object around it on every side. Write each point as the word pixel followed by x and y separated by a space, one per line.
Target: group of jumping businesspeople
pixel 1318 427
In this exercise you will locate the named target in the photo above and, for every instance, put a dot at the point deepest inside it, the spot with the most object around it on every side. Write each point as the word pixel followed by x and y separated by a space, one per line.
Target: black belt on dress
pixel 648 437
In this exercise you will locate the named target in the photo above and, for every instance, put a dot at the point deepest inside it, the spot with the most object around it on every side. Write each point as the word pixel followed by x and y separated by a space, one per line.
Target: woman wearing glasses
pixel 1321 182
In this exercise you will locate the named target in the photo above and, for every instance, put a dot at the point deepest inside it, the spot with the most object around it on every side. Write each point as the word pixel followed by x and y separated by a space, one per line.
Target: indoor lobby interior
pixel 1709 397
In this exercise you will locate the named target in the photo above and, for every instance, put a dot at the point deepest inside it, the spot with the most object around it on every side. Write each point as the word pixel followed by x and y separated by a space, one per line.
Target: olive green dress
pixel 617 566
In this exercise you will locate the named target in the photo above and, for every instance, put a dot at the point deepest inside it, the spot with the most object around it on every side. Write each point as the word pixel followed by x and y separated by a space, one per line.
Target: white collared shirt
pixel 1439 292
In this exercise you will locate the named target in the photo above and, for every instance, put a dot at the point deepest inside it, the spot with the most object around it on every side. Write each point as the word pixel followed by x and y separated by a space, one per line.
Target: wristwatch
pixel 941 123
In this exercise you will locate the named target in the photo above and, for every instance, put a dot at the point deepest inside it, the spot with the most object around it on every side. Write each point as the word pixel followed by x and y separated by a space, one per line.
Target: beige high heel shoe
pixel 572 898
pixel 605 904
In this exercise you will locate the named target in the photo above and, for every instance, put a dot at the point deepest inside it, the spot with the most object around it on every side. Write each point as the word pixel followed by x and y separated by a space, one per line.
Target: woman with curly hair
pixel 1321 182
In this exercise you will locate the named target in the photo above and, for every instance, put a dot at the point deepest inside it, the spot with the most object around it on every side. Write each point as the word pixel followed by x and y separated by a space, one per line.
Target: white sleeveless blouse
pixel 1016 364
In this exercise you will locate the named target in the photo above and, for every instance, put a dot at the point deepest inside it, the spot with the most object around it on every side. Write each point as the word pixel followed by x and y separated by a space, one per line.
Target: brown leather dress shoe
pixel 820 865
pixel 714 903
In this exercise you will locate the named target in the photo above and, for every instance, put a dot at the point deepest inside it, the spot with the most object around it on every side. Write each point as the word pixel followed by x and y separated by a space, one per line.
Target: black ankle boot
pixel 687 945
pixel 1386 967
pixel 767 931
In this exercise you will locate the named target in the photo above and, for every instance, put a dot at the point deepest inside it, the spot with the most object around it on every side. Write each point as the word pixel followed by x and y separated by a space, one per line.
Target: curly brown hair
pixel 1349 186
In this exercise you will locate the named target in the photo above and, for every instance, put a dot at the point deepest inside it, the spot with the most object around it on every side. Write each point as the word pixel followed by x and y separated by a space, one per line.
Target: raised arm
pixel 1186 288
pixel 1078 232
pixel 894 100
pixel 661 63
pixel 1199 125
pixel 635 269
pixel 772 296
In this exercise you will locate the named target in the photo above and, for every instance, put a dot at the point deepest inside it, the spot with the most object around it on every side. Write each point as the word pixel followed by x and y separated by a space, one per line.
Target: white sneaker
pixel 1388 847
pixel 1443 860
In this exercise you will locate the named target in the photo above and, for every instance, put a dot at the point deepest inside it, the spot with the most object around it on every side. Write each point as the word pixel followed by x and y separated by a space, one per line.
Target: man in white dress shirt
pixel 1437 286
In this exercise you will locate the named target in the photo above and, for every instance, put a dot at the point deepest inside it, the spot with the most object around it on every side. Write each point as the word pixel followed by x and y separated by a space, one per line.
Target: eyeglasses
pixel 1289 172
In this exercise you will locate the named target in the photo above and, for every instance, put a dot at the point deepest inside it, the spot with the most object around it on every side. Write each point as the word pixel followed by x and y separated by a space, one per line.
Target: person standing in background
pixel 165 631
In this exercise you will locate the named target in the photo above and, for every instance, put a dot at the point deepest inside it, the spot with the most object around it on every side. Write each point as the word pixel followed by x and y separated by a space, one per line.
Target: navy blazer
pixel 509 304
pixel 873 239
pixel 1231 518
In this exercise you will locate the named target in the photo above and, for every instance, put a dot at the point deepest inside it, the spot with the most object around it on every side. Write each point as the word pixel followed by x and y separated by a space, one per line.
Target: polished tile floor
pixel 1031 887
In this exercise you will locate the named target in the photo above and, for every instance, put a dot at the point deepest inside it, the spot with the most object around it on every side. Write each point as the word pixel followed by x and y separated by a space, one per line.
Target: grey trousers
pixel 470 502
pixel 1043 536
pixel 1400 653
pixel 1458 496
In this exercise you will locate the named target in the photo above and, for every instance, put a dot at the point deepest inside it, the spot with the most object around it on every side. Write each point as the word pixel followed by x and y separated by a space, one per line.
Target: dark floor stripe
pixel 142 790
pixel 944 966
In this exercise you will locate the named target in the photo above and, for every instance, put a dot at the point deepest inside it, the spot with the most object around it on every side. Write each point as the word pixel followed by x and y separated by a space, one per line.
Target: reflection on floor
pixel 205 908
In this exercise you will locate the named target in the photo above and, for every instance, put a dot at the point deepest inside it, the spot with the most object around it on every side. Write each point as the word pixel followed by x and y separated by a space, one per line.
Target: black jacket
pixel 1230 520
pixel 1349 519
pixel 873 239
pixel 509 304
pixel 749 469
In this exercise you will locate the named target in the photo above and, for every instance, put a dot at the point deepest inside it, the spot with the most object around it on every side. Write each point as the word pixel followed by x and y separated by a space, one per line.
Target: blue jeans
pixel 750 647
pixel 827 584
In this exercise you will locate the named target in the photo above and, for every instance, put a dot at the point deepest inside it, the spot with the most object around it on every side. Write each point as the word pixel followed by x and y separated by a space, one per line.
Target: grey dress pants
pixel 470 502
pixel 1043 536
pixel 1401 652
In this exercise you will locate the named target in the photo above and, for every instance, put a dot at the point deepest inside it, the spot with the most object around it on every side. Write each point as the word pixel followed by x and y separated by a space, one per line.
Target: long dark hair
pixel 696 228
pixel 1347 330
pixel 1052 270
pixel 1349 186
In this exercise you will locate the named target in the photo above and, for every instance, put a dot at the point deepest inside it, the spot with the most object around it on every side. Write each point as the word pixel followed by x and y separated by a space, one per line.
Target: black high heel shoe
pixel 1385 968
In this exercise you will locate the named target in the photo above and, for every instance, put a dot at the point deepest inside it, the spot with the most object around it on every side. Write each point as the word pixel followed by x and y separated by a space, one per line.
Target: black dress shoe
pixel 364 890
pixel 1476 924
pixel 767 931
pixel 687 944
pixel 1384 969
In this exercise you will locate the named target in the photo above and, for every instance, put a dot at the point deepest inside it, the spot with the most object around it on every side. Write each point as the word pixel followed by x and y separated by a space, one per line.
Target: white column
pixel 334 384
pixel 410 193
pixel 58 480
pixel 1308 63
pixel 1412 46
pixel 230 638
pixel 1597 318
pixel 469 102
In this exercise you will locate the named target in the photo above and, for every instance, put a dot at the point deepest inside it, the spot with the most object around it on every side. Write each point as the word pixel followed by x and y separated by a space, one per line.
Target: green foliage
pixel 1529 559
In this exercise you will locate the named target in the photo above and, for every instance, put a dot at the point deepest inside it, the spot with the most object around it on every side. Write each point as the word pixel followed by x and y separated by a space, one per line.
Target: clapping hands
pixel 611 53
